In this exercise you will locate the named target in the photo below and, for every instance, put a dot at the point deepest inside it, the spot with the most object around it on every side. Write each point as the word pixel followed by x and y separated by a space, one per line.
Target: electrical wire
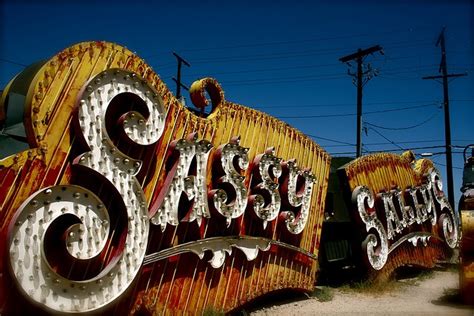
pixel 286 79
pixel 381 135
pixel 306 40
pixel 293 54
pixel 405 127
pixel 331 140
pixel 317 39
pixel 408 69
pixel 407 142
pixel 13 62
pixel 433 102
pixel 278 81
pixel 353 114
pixel 440 164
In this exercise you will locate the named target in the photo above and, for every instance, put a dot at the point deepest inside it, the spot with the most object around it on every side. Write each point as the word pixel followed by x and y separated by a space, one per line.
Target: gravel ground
pixel 435 294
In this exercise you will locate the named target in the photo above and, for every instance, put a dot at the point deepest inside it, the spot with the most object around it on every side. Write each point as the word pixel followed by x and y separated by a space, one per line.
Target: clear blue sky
pixel 281 57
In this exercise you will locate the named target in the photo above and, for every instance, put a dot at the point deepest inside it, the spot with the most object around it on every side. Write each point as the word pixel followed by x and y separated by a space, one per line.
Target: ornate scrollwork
pixel 448 221
pixel 219 246
pixel 377 254
pixel 198 93
pixel 87 217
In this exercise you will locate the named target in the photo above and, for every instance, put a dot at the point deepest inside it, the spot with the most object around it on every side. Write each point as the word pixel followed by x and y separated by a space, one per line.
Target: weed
pixel 323 294
pixel 425 275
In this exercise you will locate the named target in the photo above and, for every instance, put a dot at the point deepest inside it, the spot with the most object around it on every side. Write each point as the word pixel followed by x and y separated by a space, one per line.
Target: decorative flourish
pixel 448 221
pixel 414 238
pixel 198 93
pixel 88 231
pixel 219 246
pixel 84 240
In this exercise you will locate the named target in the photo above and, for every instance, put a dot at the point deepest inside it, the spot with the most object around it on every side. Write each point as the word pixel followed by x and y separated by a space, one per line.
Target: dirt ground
pixel 425 293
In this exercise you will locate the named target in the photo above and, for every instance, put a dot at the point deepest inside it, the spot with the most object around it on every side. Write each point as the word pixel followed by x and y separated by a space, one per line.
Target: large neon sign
pixel 399 208
pixel 124 166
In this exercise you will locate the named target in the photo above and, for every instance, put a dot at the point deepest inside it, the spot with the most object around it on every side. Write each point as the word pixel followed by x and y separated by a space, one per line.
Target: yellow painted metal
pixel 384 171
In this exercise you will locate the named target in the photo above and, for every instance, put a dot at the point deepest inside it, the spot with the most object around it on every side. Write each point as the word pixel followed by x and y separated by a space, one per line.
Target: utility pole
pixel 447 124
pixel 362 78
pixel 179 85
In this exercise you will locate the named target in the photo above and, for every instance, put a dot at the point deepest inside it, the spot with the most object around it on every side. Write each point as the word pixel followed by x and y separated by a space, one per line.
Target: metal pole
pixel 447 122
pixel 178 75
pixel 359 106
pixel 359 58
pixel 178 85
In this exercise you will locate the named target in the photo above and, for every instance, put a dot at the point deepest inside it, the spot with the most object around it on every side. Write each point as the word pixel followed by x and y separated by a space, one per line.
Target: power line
pixel 405 127
pixel 266 69
pixel 284 79
pixel 353 114
pixel 247 83
pixel 439 163
pixel 387 143
pixel 381 135
pixel 292 54
pixel 13 62
pixel 331 140
pixel 408 69
pixel 304 40
pixel 349 104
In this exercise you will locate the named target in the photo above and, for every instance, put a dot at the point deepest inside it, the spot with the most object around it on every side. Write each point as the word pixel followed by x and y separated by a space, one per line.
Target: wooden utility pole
pixel 447 125
pixel 179 85
pixel 361 81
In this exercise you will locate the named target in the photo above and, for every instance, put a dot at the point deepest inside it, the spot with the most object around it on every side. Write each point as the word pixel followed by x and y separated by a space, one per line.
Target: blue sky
pixel 281 57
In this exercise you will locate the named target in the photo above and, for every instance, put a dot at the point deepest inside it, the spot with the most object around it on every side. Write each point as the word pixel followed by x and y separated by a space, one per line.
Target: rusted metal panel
pixel 401 213
pixel 110 147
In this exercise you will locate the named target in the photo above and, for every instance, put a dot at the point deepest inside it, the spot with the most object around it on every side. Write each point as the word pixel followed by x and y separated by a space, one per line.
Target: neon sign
pixel 394 221
pixel 69 225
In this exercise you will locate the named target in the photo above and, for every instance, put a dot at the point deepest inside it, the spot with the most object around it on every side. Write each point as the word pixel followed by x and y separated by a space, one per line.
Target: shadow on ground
pixel 452 298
